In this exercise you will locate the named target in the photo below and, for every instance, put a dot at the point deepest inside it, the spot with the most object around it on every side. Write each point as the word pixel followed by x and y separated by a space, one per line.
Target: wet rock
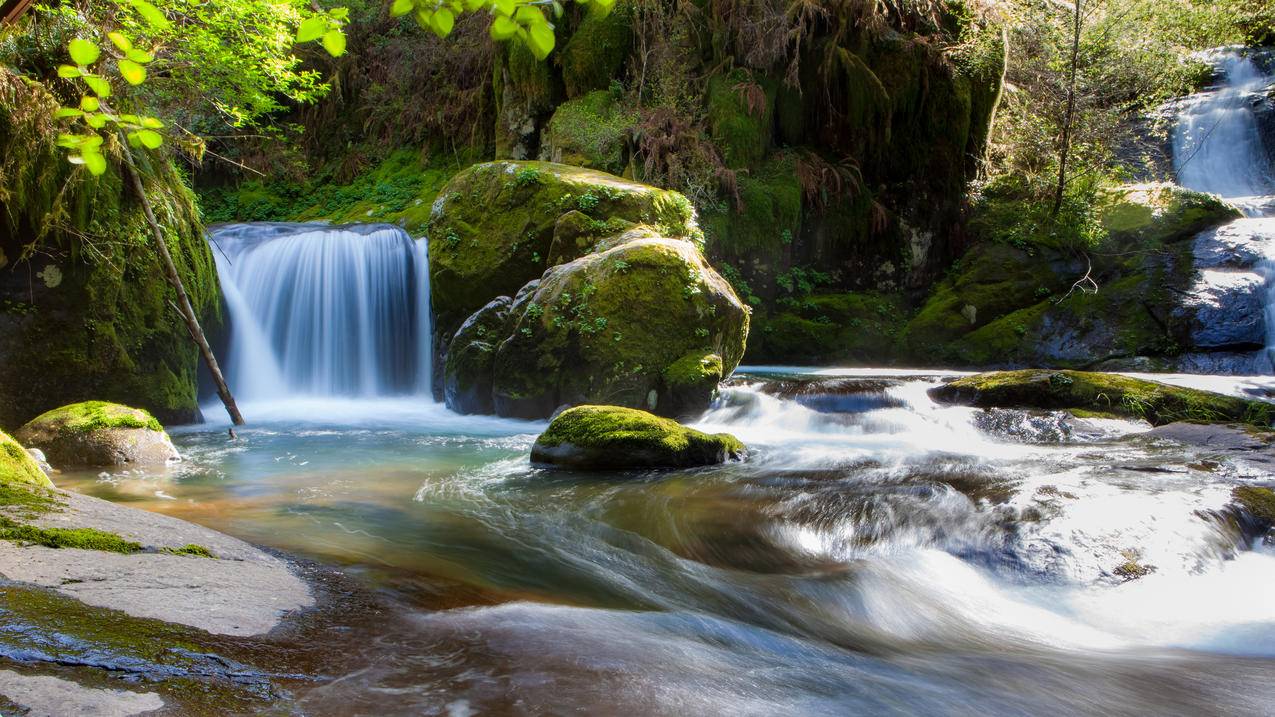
pixel 240 590
pixel 45 696
pixel 613 437
pixel 467 373
pixel 1154 402
pixel 99 434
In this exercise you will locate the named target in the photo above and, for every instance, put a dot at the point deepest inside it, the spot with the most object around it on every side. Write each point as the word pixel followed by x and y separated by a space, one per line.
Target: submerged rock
pixel 612 437
pixel 18 466
pixel 1157 403
pixel 99 434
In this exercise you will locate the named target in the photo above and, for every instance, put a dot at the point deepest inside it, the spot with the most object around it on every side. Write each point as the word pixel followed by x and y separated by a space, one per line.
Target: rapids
pixel 878 553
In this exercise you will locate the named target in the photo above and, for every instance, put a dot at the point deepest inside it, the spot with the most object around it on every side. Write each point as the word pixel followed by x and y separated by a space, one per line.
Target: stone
pixel 615 438
pixel 99 434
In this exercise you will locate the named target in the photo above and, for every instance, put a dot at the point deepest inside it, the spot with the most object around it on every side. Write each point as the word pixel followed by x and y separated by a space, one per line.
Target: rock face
pixel 99 434
pixel 84 308
pixel 612 437
pixel 612 299
pixel 1157 403
pixel 18 466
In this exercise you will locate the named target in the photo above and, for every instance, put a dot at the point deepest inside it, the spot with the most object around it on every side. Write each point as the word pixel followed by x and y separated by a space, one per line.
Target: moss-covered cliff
pixel 84 310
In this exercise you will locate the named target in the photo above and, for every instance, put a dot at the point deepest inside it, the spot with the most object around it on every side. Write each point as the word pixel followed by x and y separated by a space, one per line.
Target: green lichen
pixel 16 466
pixel 80 538
pixel 89 416
pixel 614 436
pixel 1157 403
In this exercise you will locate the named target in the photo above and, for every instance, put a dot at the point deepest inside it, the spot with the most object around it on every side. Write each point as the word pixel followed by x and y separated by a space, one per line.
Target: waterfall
pixel 1217 148
pixel 1216 145
pixel 323 311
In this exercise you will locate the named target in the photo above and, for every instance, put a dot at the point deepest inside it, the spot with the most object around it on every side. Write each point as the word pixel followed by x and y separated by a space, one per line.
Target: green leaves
pixel 151 14
pixel 334 42
pixel 120 41
pixel 90 104
pixel 133 73
pixel 83 52
pixel 68 72
pixel 540 40
pixel 312 28
pixel 100 87
pixel 502 28
pixel 85 150
pixel 401 8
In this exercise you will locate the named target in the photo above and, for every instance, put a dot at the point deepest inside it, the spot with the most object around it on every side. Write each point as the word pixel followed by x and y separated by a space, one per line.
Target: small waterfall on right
pixel 1218 148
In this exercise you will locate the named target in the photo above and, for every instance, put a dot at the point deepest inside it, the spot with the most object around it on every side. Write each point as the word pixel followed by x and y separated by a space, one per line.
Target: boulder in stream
pixel 18 466
pixel 98 434
pixel 615 438
pixel 1103 393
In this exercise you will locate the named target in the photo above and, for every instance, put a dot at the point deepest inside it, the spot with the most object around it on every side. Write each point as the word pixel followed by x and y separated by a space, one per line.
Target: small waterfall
pixel 322 311
pixel 1217 148
pixel 1216 145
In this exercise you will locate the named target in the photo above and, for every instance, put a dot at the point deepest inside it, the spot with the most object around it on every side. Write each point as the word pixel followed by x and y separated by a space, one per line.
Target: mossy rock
pixel 1154 402
pixel 493 226
pixel 1257 501
pixel 99 434
pixel 596 53
pixel 590 131
pixel 467 372
pixel 17 466
pixel 616 438
pixel 610 326
pixel 1161 212
pixel 85 311
pixel 763 227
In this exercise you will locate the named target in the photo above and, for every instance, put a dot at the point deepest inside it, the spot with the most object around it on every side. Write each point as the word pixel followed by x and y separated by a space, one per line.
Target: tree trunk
pixel 1069 116
pixel 183 301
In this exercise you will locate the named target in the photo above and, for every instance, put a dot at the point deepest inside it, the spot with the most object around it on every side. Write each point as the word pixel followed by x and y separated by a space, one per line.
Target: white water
pixel 324 312
pixel 1217 149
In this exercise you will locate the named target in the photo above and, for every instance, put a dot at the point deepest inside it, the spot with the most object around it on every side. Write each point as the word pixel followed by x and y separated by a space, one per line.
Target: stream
pixel 877 553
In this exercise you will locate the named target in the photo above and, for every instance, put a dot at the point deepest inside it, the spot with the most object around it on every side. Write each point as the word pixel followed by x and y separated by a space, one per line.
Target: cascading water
pixel 320 311
pixel 1217 148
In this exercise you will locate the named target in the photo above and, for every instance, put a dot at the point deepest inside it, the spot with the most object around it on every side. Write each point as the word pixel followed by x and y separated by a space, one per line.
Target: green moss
pixel 625 436
pixel 82 295
pixel 16 466
pixel 27 500
pixel 591 131
pixel 492 233
pixel 596 53
pixel 1161 213
pixel 80 538
pixel 400 189
pixel 191 549
pixel 767 221
pixel 740 110
pixel 853 328
pixel 1258 501
pixel 89 416
pixel 694 369
pixel 1154 402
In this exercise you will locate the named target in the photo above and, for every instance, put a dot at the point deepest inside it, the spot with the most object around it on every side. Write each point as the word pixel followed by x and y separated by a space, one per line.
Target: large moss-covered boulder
pixel 612 437
pixel 17 466
pixel 494 225
pixel 591 131
pixel 621 326
pixel 99 434
pixel 1154 402
pixel 85 311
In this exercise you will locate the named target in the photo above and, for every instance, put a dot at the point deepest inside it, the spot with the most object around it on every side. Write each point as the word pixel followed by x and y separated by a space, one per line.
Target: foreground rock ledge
pixel 240 590
pixel 1157 403
pixel 611 437
pixel 98 434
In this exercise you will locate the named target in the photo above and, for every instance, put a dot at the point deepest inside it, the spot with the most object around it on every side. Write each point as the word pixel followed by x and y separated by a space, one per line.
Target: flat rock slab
pixel 46 696
pixel 1232 441
pixel 242 591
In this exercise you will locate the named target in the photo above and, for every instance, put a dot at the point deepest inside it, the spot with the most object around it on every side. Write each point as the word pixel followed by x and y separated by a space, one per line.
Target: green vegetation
pixel 191 549
pixel 27 500
pixel 591 131
pixel 613 437
pixel 1153 402
pixel 91 416
pixel 17 467
pixel 79 538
